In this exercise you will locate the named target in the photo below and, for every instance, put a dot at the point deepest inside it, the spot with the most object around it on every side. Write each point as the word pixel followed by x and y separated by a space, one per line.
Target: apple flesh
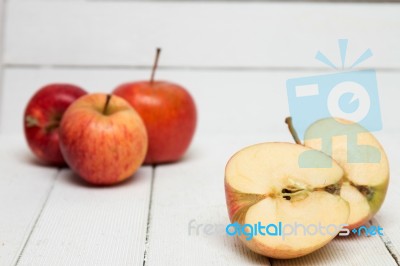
pixel 42 117
pixel 169 114
pixel 103 139
pixel 264 183
pixel 364 162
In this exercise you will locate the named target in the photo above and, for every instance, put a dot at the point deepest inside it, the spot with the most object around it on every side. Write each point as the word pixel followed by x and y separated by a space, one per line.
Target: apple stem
pixel 51 126
pixel 155 65
pixel 107 103
pixel 292 130
pixel 31 121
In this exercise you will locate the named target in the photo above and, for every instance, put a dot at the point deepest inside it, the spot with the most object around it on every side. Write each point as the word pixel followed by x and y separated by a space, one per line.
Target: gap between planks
pixel 146 243
pixel 55 177
pixel 385 239
pixel 388 243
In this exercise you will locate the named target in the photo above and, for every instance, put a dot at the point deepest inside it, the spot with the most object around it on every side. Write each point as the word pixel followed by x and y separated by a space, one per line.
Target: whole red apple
pixel 168 112
pixel 42 117
pixel 103 139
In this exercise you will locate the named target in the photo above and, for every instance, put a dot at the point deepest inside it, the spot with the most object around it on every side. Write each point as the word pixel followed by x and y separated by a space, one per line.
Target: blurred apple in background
pixel 103 139
pixel 169 114
pixel 42 117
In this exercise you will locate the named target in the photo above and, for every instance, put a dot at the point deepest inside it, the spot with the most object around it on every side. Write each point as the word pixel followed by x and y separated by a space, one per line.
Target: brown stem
pixel 52 125
pixel 292 130
pixel 31 121
pixel 153 71
pixel 107 103
pixel 49 127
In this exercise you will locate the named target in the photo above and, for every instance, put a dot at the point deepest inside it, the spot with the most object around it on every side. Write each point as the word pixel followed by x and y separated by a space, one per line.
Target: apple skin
pixel 169 113
pixel 256 178
pixel 375 204
pixel 103 149
pixel 373 177
pixel 41 119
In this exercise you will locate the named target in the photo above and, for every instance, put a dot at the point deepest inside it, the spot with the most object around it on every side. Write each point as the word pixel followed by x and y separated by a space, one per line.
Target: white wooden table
pixel 235 59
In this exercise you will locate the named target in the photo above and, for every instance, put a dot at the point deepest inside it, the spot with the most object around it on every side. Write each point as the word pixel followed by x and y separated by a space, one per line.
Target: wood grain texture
pixel 84 225
pixel 191 194
pixel 351 250
pixel 193 191
pixel 389 216
pixel 2 27
pixel 24 187
pixel 199 34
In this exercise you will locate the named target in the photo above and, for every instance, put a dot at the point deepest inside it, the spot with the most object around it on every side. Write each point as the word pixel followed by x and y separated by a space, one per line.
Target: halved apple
pixel 265 184
pixel 363 160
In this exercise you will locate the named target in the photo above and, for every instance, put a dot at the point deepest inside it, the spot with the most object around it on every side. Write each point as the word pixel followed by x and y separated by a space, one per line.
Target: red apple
pixel 103 139
pixel 169 113
pixel 42 117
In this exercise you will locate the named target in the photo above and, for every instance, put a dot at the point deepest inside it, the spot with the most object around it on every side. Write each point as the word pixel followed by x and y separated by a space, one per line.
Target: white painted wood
pixel 199 34
pixel 2 19
pixel 83 225
pixel 77 221
pixel 24 187
pixel 229 102
pixel 194 190
pixel 388 217
pixel 354 250
pixel 2 26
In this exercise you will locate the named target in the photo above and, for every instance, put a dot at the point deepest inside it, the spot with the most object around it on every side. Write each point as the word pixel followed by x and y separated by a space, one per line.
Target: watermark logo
pixel 207 229
pixel 294 229
pixel 280 229
pixel 348 93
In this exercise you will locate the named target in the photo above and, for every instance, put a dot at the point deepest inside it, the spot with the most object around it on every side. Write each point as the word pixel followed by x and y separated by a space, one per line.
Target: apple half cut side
pixel 363 159
pixel 264 183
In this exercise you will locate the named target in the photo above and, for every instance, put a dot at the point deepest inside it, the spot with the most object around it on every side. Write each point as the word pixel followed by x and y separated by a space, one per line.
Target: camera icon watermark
pixel 348 94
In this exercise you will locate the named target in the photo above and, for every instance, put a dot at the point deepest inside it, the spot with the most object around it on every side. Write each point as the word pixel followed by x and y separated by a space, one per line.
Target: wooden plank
pixel 2 20
pixel 200 34
pixel 180 202
pixel 239 102
pixel 389 215
pixel 354 250
pixel 84 225
pixel 24 187
pixel 193 191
